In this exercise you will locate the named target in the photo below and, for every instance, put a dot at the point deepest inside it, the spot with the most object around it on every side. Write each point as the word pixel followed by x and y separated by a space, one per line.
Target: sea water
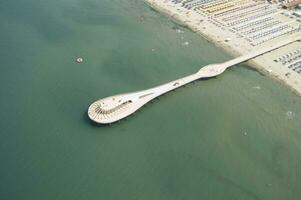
pixel 224 138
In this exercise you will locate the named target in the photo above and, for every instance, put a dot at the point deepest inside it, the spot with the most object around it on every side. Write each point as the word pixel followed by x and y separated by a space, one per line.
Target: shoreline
pixel 201 24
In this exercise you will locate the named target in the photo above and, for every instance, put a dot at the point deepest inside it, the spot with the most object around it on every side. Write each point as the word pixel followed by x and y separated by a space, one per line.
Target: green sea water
pixel 237 136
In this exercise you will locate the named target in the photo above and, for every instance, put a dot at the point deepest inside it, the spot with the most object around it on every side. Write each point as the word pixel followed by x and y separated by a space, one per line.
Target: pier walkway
pixel 115 108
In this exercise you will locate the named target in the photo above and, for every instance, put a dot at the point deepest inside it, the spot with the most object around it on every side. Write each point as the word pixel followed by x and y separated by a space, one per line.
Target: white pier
pixel 115 108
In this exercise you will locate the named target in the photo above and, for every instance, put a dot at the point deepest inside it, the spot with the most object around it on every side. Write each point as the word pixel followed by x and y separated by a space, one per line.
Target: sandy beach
pixel 235 44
